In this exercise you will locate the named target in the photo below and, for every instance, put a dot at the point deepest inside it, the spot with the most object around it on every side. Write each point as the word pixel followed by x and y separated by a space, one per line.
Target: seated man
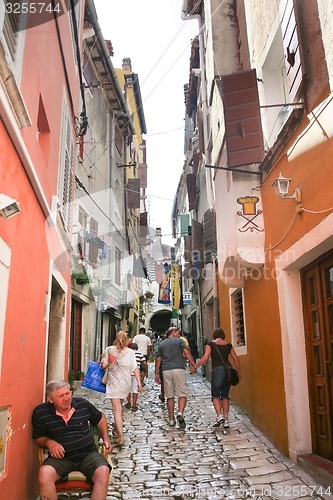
pixel 62 425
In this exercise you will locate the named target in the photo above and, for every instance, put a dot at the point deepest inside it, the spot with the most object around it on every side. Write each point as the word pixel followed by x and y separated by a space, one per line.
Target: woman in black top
pixel 220 387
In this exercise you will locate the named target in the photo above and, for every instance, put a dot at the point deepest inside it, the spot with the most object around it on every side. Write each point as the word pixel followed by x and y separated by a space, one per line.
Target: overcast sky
pixel 158 42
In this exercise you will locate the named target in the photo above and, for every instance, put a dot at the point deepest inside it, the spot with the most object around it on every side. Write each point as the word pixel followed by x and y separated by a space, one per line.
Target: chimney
pixel 127 65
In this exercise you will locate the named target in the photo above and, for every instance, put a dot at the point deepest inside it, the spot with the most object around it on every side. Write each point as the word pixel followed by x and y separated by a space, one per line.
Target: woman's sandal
pixel 135 408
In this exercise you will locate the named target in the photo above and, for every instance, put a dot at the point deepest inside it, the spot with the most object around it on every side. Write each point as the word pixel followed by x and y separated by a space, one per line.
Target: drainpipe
pixel 106 55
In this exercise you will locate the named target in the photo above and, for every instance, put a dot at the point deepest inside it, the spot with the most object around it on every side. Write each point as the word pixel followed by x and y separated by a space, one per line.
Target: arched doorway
pixel 160 321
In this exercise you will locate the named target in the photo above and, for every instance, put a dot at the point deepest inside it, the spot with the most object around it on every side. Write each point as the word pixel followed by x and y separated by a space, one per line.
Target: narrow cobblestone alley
pixel 159 462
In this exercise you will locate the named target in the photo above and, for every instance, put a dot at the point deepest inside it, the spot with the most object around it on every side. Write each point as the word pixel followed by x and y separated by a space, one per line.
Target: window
pixel 81 241
pixel 275 91
pixel 10 29
pixel 117 266
pixel 237 318
pixel 66 172
pixel 93 249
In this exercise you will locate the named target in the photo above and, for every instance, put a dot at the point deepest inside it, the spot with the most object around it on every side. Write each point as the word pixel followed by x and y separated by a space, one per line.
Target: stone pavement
pixel 159 462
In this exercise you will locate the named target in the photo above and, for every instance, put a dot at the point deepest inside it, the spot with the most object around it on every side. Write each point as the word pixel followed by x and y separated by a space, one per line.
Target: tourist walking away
pixel 220 387
pixel 121 363
pixel 193 346
pixel 170 359
pixel 132 399
pixel 63 426
pixel 145 347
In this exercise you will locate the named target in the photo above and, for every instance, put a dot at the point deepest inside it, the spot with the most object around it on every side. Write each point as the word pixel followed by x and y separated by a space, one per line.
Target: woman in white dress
pixel 122 365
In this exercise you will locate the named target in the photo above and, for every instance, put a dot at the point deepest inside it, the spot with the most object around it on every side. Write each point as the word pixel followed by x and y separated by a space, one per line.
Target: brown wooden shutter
pixel 190 182
pixel 243 130
pixel 209 235
pixel 133 193
pixel 143 224
pixel 292 48
pixel 143 175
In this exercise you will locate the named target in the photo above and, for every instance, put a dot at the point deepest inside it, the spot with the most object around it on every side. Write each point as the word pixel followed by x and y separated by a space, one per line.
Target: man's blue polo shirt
pixel 75 435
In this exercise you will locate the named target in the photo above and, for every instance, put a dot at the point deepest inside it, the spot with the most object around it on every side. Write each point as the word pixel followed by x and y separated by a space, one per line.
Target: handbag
pixel 231 373
pixel 105 376
pixel 93 377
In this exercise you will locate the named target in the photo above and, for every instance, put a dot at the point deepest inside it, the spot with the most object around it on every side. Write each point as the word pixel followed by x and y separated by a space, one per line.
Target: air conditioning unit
pixel 128 298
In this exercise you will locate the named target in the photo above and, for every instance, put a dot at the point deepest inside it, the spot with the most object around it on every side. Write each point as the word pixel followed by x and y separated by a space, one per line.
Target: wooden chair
pixel 76 481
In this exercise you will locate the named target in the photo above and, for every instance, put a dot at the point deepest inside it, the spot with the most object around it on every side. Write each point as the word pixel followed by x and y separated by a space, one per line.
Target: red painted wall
pixel 25 337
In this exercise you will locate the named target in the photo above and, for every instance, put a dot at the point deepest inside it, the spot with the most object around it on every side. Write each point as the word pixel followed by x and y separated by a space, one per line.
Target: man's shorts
pixel 87 466
pixel 175 383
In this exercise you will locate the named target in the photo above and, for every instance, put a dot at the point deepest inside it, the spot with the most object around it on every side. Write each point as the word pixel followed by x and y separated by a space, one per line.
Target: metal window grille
pixel 10 29
pixel 237 309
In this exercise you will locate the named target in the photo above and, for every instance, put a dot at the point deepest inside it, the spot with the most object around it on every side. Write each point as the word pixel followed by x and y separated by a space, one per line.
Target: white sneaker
pixel 219 421
pixel 226 424
pixel 172 423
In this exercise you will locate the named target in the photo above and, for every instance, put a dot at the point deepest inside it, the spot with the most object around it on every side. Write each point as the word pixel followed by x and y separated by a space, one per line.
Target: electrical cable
pixel 285 234
pixel 62 55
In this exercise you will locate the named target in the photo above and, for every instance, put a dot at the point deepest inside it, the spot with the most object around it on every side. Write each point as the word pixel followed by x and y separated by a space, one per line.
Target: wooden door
pixel 318 317
pixel 76 336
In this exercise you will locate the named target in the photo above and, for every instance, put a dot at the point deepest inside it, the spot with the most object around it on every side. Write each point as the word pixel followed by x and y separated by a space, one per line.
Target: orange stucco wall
pixel 261 392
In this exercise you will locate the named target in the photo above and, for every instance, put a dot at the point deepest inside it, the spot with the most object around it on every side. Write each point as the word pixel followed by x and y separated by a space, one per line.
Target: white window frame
pixel 67 150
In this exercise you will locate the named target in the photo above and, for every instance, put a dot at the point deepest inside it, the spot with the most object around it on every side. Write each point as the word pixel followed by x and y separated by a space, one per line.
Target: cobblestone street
pixel 159 462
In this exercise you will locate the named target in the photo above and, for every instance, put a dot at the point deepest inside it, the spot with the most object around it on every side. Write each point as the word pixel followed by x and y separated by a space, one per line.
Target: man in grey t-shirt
pixel 170 357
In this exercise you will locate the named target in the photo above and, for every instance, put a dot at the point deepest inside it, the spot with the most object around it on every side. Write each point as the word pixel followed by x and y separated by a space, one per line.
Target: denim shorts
pixel 87 466
pixel 220 387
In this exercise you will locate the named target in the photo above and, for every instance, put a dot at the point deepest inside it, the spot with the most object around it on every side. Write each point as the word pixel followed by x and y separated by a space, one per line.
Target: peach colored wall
pixel 261 392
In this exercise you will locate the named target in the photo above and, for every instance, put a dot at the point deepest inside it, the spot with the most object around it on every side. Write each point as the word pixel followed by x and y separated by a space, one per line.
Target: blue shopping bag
pixel 93 377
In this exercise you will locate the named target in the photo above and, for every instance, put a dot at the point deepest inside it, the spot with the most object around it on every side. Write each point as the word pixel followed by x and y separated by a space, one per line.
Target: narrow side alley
pixel 199 462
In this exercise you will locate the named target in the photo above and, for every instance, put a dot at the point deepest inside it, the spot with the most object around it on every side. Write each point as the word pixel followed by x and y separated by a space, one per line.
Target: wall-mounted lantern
pixel 281 186
pixel 8 206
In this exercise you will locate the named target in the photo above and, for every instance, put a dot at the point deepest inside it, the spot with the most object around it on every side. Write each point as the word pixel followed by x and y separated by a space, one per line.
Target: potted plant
pixel 80 277
pixel 71 379
pixel 79 375
pixel 149 295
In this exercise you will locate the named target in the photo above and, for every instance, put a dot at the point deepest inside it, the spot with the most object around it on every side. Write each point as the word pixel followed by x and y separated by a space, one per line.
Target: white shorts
pixel 134 385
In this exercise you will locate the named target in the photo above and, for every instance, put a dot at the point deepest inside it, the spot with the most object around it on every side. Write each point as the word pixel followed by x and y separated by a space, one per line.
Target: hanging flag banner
pixel 164 290
pixel 175 287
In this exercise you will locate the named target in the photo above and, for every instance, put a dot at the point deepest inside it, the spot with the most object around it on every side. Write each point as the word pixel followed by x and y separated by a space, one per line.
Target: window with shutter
pixel 237 317
pixel 143 224
pixel 133 193
pixel 67 178
pixel 292 48
pixel 209 236
pixel 243 130
pixel 10 28
pixel 184 221
pixel 93 249
pixel 191 194
pixel 81 242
